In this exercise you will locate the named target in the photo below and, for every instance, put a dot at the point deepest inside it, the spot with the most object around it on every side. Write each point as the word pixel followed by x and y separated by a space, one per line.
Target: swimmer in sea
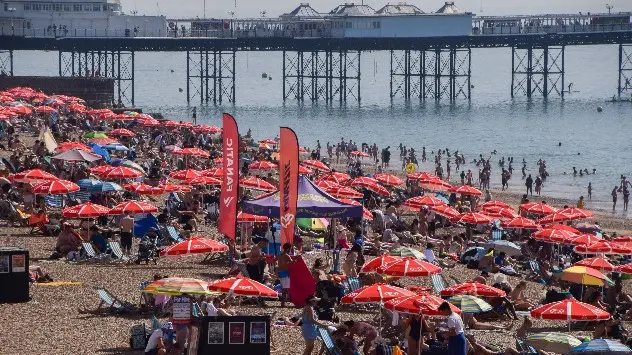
pixel 590 190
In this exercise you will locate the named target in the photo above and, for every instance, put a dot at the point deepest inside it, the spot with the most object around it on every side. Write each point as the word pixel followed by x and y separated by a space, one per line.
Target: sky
pixel 254 8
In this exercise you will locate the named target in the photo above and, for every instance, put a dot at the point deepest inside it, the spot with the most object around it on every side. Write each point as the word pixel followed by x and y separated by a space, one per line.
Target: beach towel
pixel 60 283
pixel 302 283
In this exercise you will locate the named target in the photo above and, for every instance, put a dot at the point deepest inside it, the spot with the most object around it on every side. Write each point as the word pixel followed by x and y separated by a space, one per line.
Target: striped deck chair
pixel 89 250
pixel 497 231
pixel 524 348
pixel 112 303
pixel 117 251
pixel 353 284
pixel 56 201
pixel 328 344
pixel 81 196
pixel 173 234
pixel 438 284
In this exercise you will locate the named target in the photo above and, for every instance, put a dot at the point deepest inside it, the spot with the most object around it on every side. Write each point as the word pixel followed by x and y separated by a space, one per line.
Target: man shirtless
pixel 127 226
pixel 284 261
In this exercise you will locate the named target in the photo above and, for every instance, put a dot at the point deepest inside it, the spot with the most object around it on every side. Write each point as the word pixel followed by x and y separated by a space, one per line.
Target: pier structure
pixel 321 57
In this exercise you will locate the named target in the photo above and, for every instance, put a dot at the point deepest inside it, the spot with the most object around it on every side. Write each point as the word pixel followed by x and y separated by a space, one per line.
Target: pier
pixel 321 63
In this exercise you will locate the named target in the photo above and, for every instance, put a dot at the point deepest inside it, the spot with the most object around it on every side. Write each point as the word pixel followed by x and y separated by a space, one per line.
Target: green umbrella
pixel 95 135
pixel 470 304
pixel 406 252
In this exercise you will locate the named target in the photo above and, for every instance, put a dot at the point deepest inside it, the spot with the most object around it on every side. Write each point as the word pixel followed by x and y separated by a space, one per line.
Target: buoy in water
pixel 599 109
pixel 180 90
pixel 172 70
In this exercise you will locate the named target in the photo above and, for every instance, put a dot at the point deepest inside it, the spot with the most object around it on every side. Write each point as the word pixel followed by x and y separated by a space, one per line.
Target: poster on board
pixel 258 333
pixel 237 333
pixel 216 333
pixel 18 263
pixel 4 264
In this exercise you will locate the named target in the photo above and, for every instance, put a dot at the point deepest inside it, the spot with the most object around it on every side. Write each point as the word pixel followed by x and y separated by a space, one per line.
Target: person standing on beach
pixel 614 198
pixel 127 227
pixel 456 343
pixel 580 202
pixel 626 197
pixel 590 190
pixel 529 184
pixel 538 185
pixel 284 261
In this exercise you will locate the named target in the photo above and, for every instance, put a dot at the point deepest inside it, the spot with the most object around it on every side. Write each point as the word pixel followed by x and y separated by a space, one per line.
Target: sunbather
pixel 472 323
pixel 67 240
pixel 520 301
pixel 160 339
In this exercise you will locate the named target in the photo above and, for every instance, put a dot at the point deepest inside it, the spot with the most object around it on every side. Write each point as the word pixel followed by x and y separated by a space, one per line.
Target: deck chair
pixel 80 196
pixel 9 212
pixel 524 348
pixel 117 251
pixel 328 344
pixel 89 250
pixel 56 201
pixel 497 231
pixel 353 284
pixel 173 234
pixel 438 284
pixel 111 303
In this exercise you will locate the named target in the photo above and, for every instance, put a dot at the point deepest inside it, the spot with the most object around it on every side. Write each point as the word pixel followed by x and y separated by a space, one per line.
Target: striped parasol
pixel 470 304
pixel 601 347
pixel 559 343
pixel 406 252
pixel 241 286
pixel 174 286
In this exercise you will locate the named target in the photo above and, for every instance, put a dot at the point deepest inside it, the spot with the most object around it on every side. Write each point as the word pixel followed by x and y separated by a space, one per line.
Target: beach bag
pixel 138 337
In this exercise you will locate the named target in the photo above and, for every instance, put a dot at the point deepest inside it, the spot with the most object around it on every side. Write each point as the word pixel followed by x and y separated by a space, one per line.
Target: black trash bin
pixel 128 32
pixel 14 275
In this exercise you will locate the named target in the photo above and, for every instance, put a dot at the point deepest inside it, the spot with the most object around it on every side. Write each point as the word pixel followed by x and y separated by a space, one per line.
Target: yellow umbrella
pixel 584 275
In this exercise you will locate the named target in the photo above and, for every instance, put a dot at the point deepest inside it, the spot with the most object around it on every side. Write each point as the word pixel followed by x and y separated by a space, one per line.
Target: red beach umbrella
pixel 473 289
pixel 256 184
pixel 554 235
pixel 173 188
pixel 501 211
pixel 326 184
pixel 122 132
pixel 62 147
pixel 411 267
pixel 45 109
pixel 422 176
pixel 420 201
pixel 465 190
pixel 520 222
pixel 370 184
pixel 563 227
pixel 379 261
pixel 33 175
pixel 193 152
pixel 538 208
pixel 555 218
pixel 472 218
pixel 213 172
pixel 584 239
pixel 170 123
pixel 262 165
pixel 597 263
pixel 247 217
pixel 336 177
pixel 203 180
pixel 304 170
pixel 445 211
pixel 424 303
pixel 577 213
pixel 568 310
pixel 56 187
pixel 103 141
pixel 143 189
pixel 85 210
pixel 625 269
pixel 602 247
pixel 121 172
pixel 343 192
pixel 194 245
pixel 357 153
pixel 317 165
pixel 241 286
pixel 186 174
pixel 388 179
pixel 133 207
pixel 376 293
pixel 494 203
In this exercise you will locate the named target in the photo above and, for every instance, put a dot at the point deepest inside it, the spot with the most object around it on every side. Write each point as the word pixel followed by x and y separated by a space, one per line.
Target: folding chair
pixel 117 251
pixel 353 284
pixel 173 234
pixel 328 343
pixel 112 303
pixel 524 348
pixel 497 231
pixel 56 201
pixel 89 250
pixel 438 284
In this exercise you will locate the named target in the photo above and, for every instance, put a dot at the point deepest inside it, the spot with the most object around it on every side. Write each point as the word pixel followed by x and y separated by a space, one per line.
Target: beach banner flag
pixel 230 184
pixel 288 182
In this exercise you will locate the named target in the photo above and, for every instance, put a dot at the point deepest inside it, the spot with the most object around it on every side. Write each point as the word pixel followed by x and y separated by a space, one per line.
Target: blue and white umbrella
pixel 87 184
pixel 601 347
pixel 92 185
pixel 509 248
pixel 116 146
pixel 128 163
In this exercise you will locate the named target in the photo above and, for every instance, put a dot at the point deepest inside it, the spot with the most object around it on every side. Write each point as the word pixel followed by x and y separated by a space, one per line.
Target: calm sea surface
pixel 490 121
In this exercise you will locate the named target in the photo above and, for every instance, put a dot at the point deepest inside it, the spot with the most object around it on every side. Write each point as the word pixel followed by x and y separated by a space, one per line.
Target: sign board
pixel 238 335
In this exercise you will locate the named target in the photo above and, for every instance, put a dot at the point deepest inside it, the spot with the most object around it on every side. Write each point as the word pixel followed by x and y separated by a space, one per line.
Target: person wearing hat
pixel 310 324
pixel 156 342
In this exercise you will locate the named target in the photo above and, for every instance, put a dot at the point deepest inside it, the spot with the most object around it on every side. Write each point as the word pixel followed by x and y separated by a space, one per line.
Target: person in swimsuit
pixel 521 303
pixel 363 330
pixel 284 261
pixel 310 324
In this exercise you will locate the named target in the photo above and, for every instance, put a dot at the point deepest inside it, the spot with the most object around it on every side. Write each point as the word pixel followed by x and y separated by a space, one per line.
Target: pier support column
pixel 625 69
pixel 322 75
pixel 431 73
pixel 537 71
pixel 211 76
pixel 117 65
pixel 6 63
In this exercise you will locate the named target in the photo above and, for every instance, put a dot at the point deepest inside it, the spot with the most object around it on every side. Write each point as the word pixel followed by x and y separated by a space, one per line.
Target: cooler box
pixel 14 275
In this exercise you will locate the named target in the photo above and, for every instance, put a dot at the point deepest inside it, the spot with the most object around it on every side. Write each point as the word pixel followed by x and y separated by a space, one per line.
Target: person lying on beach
pixel 472 323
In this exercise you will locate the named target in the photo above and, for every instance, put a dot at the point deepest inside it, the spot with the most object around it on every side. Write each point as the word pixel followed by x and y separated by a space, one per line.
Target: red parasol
pixel 45 109
pixel 143 189
pixel 268 141
pixel 85 210
pixel 62 147
pixel 424 303
pixel 121 172
pixel 473 289
pixel 317 165
pixel 336 177
pixel 376 293
pixel 422 176
pixel 304 170
pixel 445 211
pixel 520 222
pixel 103 141
pixel 186 174
pixel 256 184
pixel 166 187
pixel 357 153
pixel 122 132
pixel 344 192
pixel 33 175
pixel 472 218
pixel 537 208
pixel 247 217
pixel 241 286
pixel 602 247
pixel 563 227
pixel 262 165
pixel 411 267
pixel 506 212
pixel 56 187
pixel 193 152
pixel 597 263
pixel 465 190
pixel 203 180
pixel 133 207
pixel 555 218
pixel 554 235
pixel 494 203
pixel 370 184
pixel 577 213
pixel 194 245
pixel 584 239
pixel 326 184
pixel 379 261
pixel 420 201
pixel 626 241
pixel 388 179
pixel 169 123
pixel 625 269
pixel 214 172
pixel 569 309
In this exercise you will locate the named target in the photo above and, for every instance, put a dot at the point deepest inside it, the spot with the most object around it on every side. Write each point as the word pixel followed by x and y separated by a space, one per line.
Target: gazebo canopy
pixel 312 203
